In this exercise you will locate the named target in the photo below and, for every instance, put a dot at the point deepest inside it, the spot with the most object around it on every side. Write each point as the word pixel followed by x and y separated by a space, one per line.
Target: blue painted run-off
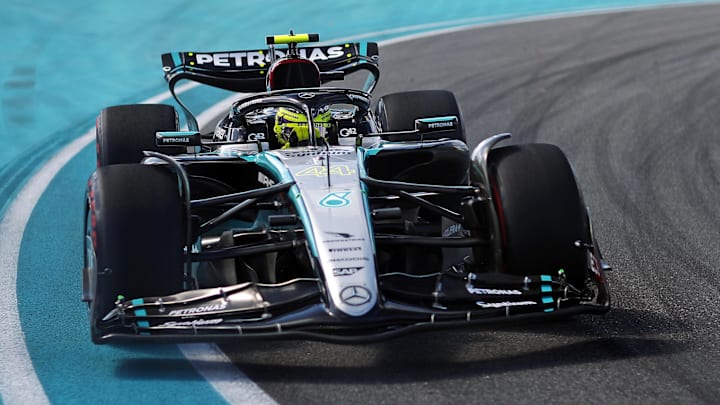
pixel 71 368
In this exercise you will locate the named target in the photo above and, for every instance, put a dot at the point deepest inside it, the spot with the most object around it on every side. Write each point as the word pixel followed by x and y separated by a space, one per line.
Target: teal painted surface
pixel 55 322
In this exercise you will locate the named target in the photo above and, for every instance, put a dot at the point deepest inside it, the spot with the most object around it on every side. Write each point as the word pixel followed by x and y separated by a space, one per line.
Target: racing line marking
pixel 19 383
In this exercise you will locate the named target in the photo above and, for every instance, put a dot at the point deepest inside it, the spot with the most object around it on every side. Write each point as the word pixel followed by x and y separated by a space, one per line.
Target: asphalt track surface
pixel 633 99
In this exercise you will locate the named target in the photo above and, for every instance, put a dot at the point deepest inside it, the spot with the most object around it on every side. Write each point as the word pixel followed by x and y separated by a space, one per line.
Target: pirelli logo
pixel 345 249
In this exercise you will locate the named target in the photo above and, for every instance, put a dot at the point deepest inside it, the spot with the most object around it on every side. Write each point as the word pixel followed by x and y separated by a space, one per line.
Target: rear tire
pixel 540 211
pixel 136 232
pixel 398 111
pixel 123 132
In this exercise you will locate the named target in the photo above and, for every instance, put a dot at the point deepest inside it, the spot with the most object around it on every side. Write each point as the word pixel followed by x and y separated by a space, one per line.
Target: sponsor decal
pixel 285 154
pixel 199 310
pixel 490 291
pixel 261 58
pixel 346 271
pixel 434 125
pixel 220 132
pixel 194 322
pixel 341 234
pixel 345 249
pixel 504 304
pixel 175 140
pixel 319 171
pixel 256 136
pixel 333 52
pixel 438 123
pixel 231 59
pixel 453 229
pixel 252 102
pixel 345 132
pixel 345 237
pixel 306 96
pixel 344 240
pixel 335 200
pixel 265 180
pixel 355 295
pixel 350 259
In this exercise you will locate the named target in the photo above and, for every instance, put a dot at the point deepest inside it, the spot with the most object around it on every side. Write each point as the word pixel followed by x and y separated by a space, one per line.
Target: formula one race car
pixel 309 214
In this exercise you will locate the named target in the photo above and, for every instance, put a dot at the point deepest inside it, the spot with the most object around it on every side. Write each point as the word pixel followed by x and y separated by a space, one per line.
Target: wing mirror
pixel 177 138
pixel 436 124
pixel 423 126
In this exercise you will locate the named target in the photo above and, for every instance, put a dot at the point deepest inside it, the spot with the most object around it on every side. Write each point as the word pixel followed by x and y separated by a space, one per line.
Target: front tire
pixel 540 210
pixel 134 238
pixel 123 132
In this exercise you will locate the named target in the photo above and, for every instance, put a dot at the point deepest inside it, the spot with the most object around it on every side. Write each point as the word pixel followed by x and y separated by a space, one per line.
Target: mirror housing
pixel 436 124
pixel 178 138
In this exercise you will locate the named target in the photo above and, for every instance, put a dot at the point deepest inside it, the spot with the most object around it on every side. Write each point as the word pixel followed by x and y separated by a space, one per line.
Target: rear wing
pixel 244 71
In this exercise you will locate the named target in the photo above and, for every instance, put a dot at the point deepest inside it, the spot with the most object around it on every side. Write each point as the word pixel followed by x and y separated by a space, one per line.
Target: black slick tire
pixel 123 132
pixel 540 211
pixel 137 231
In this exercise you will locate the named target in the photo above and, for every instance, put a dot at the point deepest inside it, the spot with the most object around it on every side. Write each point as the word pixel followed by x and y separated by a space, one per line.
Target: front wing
pixel 297 309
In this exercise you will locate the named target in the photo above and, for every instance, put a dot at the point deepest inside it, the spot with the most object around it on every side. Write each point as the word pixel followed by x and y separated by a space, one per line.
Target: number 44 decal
pixel 340 170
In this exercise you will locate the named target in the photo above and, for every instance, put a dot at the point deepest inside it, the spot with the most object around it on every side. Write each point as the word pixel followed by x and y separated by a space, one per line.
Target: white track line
pixel 207 359
pixel 18 381
pixel 231 383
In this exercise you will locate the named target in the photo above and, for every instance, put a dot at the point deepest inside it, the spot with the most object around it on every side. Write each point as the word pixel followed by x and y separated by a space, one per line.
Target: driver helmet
pixel 291 127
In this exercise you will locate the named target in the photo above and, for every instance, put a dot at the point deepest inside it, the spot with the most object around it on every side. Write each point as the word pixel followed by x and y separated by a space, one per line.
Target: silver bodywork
pixel 332 198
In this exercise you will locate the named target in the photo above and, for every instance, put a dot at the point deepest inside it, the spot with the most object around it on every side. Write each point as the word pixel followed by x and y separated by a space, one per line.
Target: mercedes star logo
pixel 355 295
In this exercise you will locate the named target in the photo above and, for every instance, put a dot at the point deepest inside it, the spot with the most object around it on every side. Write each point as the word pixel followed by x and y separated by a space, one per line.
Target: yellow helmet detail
pixel 291 127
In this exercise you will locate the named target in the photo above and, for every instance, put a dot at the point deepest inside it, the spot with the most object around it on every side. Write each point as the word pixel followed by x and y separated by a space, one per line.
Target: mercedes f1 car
pixel 311 212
